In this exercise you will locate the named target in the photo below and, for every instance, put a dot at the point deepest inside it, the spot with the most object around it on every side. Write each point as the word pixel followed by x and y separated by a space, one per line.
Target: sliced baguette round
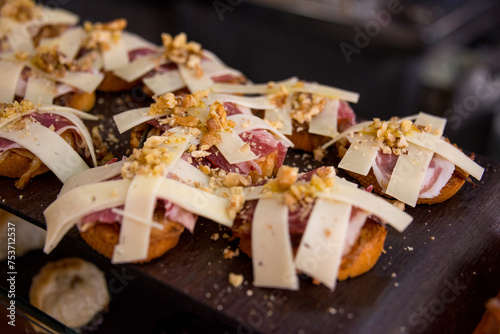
pixel 104 237
pixel 112 83
pixel 453 185
pixel 362 257
pixel 81 101
pixel 19 163
pixel 71 290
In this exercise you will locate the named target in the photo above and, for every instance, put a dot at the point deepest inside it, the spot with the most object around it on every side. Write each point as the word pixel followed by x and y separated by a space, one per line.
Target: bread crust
pixel 303 140
pixel 113 84
pixel 104 237
pixel 453 185
pixel 81 101
pixel 19 163
pixel 362 257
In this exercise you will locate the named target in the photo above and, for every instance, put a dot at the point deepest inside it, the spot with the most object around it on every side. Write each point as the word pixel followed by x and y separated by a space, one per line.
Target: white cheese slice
pixel 438 123
pixel 353 129
pixel 81 114
pixel 194 83
pixel 447 151
pixel 164 82
pixel 272 256
pixel 189 173
pixel 56 16
pixel 47 109
pixel 128 119
pixel 254 102
pixel 50 148
pixel 327 91
pixel 215 69
pixel 196 201
pixel 282 117
pixel 360 156
pixel 71 41
pixel 234 149
pixel 88 82
pixel 116 56
pixel 408 174
pixel 92 175
pixel 10 75
pixel 135 42
pixel 20 39
pixel 77 122
pixel 71 207
pixel 246 123
pixel 325 123
pixel 320 250
pixel 141 197
pixel 214 66
pixel 251 88
pixel 371 203
pixel 40 90
pixel 137 68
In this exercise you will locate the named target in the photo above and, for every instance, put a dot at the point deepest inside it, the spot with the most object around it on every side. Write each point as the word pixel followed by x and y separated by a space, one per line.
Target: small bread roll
pixel 70 290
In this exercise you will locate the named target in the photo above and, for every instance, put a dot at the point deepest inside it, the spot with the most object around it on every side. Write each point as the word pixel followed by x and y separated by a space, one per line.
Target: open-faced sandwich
pixel 309 114
pixel 228 137
pixel 23 23
pixel 34 140
pixel 320 225
pixel 407 159
pixel 115 48
pixel 135 210
pixel 179 65
pixel 38 57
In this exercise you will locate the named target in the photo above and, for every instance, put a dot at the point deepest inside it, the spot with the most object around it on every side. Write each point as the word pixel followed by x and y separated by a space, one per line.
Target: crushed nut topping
pixel 152 159
pixel 236 202
pixel 301 193
pixel 50 60
pixel 391 134
pixel 19 10
pixel 103 35
pixel 182 52
pixel 304 106
pixel 7 110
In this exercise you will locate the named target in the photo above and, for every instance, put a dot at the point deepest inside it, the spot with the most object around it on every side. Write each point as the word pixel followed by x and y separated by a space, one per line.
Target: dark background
pixel 441 57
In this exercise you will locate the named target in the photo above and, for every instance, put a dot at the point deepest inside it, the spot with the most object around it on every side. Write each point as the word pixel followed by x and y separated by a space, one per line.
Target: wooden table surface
pixel 433 278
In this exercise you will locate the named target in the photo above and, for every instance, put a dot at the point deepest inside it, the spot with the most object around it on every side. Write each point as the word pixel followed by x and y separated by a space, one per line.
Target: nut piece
pixel 235 279
pixel 286 176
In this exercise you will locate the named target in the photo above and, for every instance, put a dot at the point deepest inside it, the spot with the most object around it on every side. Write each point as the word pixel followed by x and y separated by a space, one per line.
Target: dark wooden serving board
pixel 433 278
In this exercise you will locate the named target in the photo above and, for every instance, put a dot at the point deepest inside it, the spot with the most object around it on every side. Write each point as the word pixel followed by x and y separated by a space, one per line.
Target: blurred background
pixel 441 57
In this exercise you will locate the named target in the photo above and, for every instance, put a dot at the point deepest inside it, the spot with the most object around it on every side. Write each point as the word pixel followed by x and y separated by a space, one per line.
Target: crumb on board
pixel 229 253
pixel 235 279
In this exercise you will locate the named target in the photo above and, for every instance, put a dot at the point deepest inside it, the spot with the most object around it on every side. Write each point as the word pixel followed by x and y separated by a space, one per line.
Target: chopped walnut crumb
pixel 235 280
pixel 20 10
pixel 8 110
pixel 182 52
pixel 151 159
pixel 103 35
pixel 303 193
pixel 319 153
pixel 229 253
pixel 236 202
pixel 215 236
pixel 306 106
pixel 234 179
